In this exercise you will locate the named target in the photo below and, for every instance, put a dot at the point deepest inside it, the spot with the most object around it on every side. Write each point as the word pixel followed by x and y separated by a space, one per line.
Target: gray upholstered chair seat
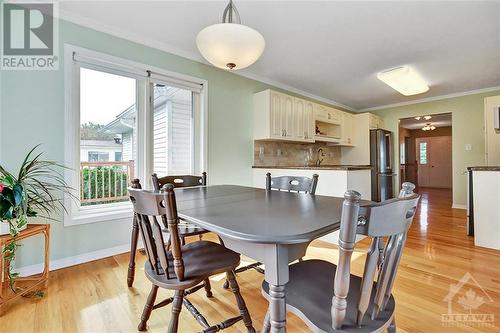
pixel 309 294
pixel 201 260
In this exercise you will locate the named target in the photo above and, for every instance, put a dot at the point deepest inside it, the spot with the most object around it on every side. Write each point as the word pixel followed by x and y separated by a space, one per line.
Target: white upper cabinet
pixel 375 122
pixel 327 114
pixel 289 117
pixel 347 138
pixel 309 128
pixel 282 117
pixel 278 116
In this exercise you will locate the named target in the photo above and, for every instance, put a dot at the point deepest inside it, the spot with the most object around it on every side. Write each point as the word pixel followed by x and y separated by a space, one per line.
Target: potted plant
pixel 36 190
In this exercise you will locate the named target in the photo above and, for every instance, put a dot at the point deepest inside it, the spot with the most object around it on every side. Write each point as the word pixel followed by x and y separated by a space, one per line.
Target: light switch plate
pixel 468 146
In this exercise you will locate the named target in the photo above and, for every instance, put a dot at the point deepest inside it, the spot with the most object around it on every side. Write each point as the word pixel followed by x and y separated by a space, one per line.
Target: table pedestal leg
pixel 277 308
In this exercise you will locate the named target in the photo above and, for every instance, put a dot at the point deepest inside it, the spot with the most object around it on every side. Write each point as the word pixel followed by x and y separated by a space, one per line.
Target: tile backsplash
pixel 278 153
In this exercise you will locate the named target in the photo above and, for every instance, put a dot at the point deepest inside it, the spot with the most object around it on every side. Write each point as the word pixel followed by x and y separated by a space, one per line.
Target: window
pixel 125 121
pixel 402 158
pixel 108 123
pixel 95 156
pixel 423 153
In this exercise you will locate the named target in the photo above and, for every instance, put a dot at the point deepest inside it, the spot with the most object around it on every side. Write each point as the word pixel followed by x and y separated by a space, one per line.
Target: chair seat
pixel 309 294
pixel 202 259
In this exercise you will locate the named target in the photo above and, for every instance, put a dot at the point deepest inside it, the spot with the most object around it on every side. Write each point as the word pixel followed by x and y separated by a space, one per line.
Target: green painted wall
pixel 32 112
pixel 467 125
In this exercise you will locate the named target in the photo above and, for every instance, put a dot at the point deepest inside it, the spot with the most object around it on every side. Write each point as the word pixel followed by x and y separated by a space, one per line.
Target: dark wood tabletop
pixel 256 215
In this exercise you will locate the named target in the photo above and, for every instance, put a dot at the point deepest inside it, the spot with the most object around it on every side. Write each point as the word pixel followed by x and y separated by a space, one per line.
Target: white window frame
pixel 102 62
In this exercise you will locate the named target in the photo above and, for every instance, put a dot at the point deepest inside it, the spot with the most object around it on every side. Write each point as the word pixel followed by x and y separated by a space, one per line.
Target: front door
pixel 434 162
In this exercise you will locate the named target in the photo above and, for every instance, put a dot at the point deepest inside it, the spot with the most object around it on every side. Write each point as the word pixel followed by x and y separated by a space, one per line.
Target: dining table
pixel 272 227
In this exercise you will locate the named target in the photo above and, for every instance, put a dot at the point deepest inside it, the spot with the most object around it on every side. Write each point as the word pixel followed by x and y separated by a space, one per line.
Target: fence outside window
pixel 104 182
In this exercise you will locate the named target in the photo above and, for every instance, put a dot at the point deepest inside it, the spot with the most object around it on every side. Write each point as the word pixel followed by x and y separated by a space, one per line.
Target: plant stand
pixel 29 284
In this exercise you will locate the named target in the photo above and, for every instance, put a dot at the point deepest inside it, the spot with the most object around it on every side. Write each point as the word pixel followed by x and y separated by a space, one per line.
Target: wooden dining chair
pixel 331 299
pixel 185 267
pixel 292 183
pixel 289 184
pixel 185 229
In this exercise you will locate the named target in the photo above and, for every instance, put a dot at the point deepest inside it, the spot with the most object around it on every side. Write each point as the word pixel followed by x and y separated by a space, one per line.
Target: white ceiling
pixel 438 120
pixel 329 49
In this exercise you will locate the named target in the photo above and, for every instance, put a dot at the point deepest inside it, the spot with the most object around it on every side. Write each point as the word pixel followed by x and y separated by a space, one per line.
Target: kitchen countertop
pixel 321 167
pixel 484 168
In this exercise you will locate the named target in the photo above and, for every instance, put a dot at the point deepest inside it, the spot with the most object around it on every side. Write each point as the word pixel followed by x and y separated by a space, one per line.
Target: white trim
pixel 458 206
pixel 194 56
pixel 74 260
pixel 288 88
pixel 431 99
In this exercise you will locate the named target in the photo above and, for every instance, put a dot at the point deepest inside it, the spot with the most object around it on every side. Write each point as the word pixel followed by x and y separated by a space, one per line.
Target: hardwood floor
pixel 94 297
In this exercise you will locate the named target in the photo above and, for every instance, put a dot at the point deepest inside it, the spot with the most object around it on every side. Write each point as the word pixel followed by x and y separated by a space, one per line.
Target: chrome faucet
pixel 320 156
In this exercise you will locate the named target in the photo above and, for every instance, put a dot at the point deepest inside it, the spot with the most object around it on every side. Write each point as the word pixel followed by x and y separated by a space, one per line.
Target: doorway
pixel 434 162
pixel 425 145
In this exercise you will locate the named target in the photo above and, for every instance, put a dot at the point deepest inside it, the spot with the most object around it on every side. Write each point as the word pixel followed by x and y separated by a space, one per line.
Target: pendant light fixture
pixel 230 44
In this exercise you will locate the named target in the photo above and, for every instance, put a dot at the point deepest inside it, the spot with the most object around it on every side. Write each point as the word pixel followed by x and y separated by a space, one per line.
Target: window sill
pixel 94 214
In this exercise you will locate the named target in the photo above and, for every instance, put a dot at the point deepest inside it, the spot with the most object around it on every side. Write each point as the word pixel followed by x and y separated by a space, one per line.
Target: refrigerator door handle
pixel 389 151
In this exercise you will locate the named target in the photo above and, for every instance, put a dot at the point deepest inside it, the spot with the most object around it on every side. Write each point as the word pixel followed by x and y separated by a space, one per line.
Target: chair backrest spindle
pixel 148 206
pixel 172 222
pixel 347 240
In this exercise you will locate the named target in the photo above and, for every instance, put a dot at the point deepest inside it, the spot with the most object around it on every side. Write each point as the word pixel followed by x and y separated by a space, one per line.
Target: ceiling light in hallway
pixel 230 44
pixel 428 127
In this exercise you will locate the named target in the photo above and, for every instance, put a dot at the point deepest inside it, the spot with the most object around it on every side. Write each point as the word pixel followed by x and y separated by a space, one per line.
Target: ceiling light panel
pixel 405 80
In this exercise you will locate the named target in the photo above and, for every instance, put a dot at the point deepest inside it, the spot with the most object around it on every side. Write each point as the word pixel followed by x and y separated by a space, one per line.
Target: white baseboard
pixel 75 260
pixel 458 206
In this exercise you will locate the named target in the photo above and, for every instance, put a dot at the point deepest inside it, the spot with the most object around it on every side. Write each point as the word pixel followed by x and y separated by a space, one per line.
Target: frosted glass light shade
pixel 405 80
pixel 230 45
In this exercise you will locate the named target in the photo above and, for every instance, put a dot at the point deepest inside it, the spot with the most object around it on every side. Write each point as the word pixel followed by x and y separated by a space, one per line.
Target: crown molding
pixel 294 90
pixel 194 56
pixel 431 99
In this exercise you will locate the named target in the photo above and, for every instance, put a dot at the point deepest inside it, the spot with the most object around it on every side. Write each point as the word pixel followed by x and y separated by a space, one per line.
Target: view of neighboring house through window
pixel 98 156
pixel 107 136
pixel 173 130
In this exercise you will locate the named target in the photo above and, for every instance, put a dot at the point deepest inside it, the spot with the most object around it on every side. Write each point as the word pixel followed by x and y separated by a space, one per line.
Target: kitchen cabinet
pixel 347 129
pixel 327 114
pixel 375 122
pixel 304 124
pixel 282 117
pixel 329 123
pixel 278 116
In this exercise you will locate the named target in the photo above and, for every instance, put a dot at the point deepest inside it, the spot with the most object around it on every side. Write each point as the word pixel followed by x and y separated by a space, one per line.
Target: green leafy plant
pixel 37 190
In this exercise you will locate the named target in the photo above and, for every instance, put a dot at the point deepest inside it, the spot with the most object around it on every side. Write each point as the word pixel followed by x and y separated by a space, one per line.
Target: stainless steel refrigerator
pixel 381 142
